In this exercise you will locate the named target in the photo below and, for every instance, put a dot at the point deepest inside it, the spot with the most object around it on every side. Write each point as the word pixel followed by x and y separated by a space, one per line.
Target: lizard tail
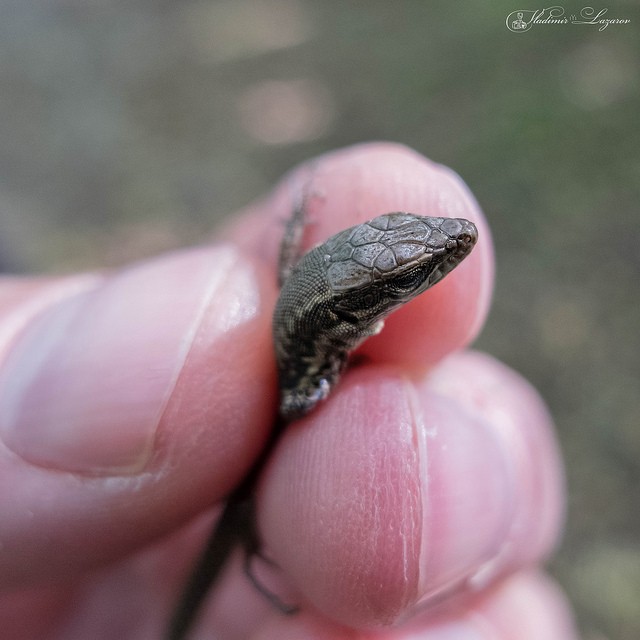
pixel 236 527
pixel 227 534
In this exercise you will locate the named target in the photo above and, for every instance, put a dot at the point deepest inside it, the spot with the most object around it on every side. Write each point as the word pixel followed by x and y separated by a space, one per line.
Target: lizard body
pixel 335 297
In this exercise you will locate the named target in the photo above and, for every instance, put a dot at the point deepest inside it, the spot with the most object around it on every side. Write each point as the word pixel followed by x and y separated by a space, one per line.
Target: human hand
pixel 424 491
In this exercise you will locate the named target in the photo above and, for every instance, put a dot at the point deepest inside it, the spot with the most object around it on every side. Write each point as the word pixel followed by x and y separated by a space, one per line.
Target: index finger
pixel 350 186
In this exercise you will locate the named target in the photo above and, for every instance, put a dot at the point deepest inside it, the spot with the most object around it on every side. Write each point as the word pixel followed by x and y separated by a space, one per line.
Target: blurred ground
pixel 127 129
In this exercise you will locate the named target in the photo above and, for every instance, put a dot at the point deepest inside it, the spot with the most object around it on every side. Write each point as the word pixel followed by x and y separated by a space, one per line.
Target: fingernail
pixel 467 505
pixel 85 386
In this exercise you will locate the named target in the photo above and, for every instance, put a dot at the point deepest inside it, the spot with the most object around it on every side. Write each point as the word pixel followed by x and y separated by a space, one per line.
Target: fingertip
pixel 85 384
pixel 349 186
pixel 398 489
pixel 523 428
pixel 338 477
pixel 139 401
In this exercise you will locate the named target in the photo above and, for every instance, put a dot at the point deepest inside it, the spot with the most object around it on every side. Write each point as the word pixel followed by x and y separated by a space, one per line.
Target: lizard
pixel 331 300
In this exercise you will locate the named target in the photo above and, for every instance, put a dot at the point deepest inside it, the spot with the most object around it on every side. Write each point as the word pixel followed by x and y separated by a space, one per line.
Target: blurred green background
pixel 130 128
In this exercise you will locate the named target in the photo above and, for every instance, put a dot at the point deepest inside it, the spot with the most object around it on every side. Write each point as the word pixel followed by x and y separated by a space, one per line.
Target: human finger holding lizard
pixel 419 477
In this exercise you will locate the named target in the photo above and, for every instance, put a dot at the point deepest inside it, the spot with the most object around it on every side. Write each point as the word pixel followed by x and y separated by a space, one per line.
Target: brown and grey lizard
pixel 332 299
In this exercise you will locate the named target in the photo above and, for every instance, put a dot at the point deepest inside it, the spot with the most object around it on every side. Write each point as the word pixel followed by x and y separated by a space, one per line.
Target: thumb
pixel 119 396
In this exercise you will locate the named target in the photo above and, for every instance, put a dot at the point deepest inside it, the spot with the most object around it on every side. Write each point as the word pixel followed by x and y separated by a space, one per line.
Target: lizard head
pixel 382 264
pixel 340 293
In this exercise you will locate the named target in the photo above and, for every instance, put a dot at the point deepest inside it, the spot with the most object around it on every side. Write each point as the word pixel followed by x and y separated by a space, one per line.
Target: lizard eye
pixel 369 299
pixel 408 281
pixel 353 308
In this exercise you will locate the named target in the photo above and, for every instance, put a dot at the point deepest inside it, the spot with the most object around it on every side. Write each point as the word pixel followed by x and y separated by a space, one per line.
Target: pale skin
pixel 132 402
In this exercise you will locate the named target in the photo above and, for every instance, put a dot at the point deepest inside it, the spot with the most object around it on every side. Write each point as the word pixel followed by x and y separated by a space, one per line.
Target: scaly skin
pixel 339 294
